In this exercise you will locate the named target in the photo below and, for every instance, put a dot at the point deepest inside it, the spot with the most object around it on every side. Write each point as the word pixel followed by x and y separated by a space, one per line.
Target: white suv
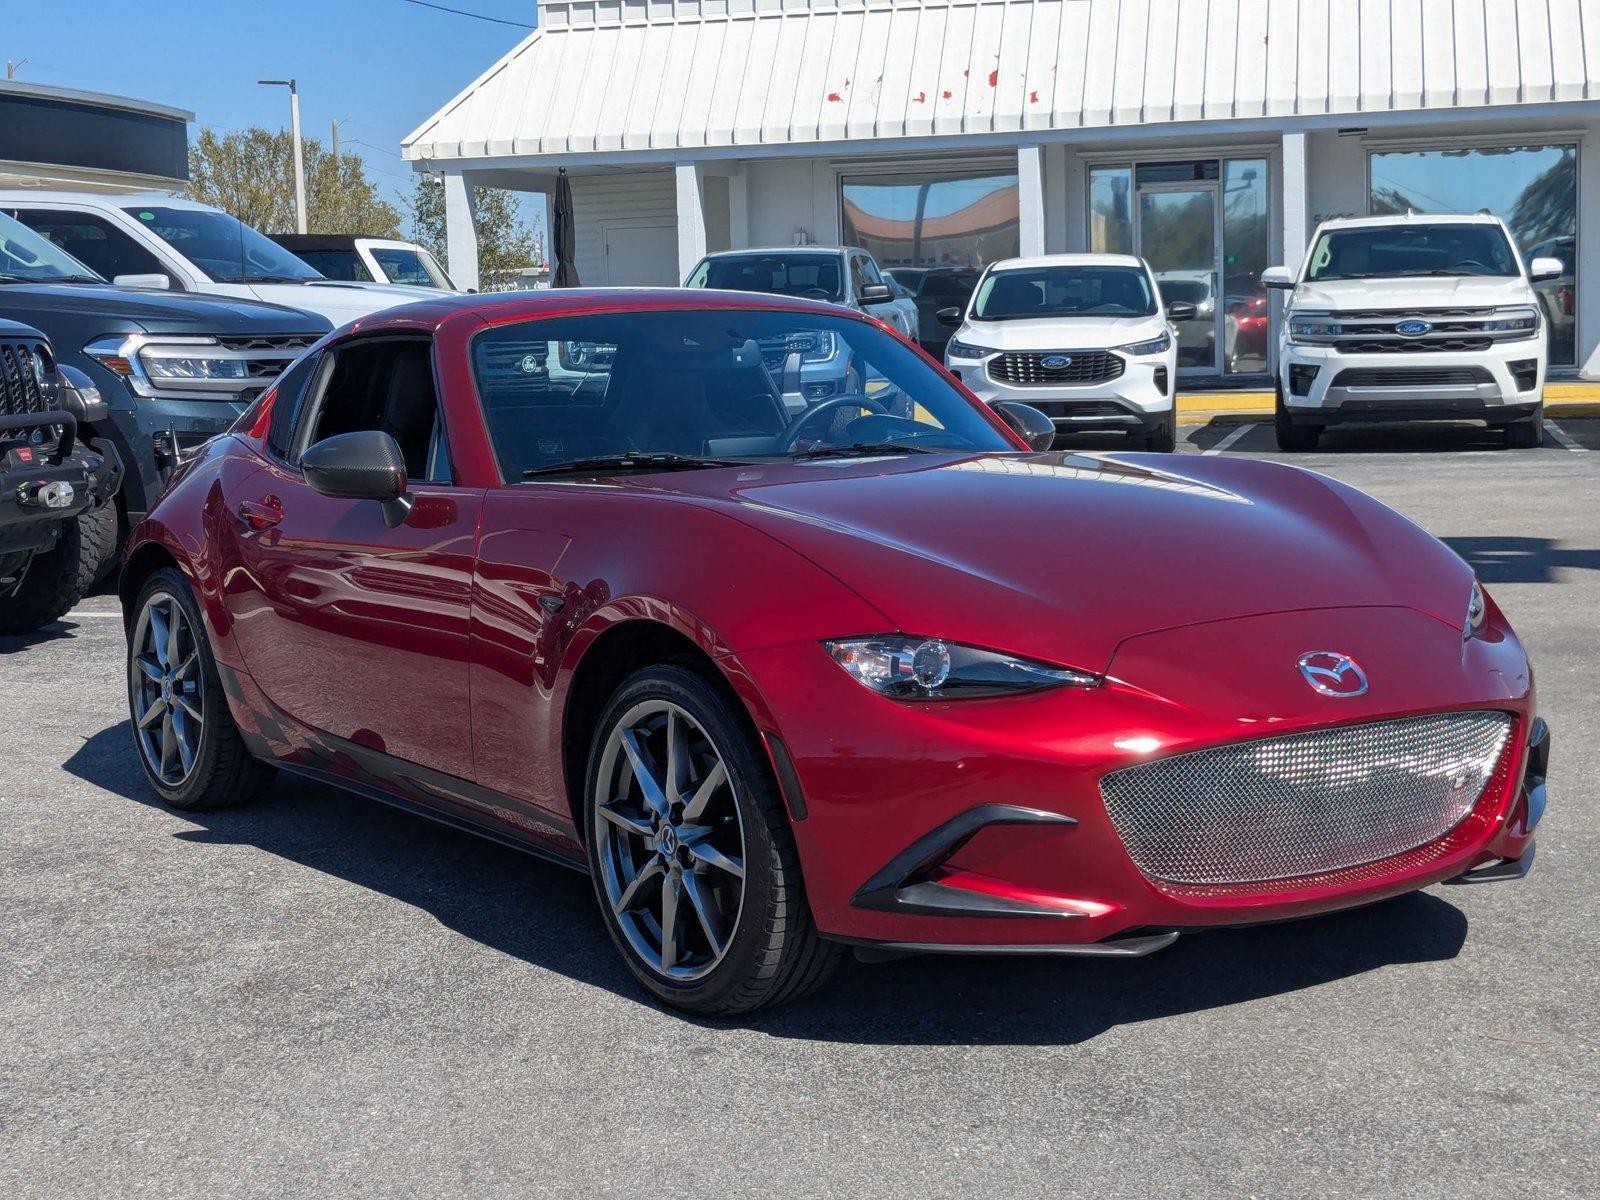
pixel 1081 337
pixel 153 240
pixel 1412 318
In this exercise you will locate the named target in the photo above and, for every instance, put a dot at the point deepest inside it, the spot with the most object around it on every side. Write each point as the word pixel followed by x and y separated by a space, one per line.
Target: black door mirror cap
pixel 1182 310
pixel 950 317
pixel 362 465
pixel 876 293
pixel 1038 430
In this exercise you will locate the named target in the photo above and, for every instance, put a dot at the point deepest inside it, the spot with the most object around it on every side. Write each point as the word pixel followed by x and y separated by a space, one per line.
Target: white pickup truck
pixel 1412 318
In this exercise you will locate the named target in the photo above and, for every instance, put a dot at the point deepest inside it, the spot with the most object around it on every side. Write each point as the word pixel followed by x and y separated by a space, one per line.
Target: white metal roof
pixel 1067 261
pixel 651 75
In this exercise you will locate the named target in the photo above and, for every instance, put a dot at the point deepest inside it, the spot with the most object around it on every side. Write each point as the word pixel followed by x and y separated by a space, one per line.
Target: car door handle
pixel 258 515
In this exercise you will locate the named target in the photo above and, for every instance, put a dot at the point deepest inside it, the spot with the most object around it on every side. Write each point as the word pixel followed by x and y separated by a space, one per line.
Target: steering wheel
pixel 827 408
pixel 1472 262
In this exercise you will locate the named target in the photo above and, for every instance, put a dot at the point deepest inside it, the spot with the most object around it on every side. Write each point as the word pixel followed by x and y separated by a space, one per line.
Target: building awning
pixel 653 76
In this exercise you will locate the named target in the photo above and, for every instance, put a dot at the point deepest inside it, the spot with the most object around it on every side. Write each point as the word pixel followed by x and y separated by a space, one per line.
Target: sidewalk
pixel 1202 408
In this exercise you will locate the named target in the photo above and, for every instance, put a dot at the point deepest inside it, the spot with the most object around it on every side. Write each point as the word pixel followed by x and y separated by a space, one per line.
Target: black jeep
pixel 55 491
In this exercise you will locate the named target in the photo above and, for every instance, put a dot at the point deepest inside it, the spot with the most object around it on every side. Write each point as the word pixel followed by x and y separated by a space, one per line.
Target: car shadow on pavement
pixel 1521 559
pixel 545 915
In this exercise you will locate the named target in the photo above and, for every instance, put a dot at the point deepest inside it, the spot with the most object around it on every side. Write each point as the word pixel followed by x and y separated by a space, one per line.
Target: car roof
pixel 100 199
pixel 1035 262
pixel 746 252
pixel 315 241
pixel 1381 222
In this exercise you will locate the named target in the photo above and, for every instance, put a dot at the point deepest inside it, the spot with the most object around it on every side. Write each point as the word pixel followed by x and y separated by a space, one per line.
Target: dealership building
pixel 1209 136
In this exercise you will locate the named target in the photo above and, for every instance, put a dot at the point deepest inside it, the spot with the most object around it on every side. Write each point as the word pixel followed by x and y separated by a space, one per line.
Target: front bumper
pixel 28 471
pixel 1323 385
pixel 978 826
pixel 1139 400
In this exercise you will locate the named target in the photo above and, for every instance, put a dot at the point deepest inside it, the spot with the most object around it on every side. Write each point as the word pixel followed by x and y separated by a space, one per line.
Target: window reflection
pixel 1534 189
pixel 1246 252
pixel 963 221
pixel 1110 215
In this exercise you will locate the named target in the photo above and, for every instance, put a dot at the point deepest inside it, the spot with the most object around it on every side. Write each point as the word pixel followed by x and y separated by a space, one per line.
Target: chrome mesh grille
pixel 1307 803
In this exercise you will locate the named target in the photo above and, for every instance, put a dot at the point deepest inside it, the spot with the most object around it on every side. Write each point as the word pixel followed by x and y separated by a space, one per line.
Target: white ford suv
pixel 1412 318
pixel 1081 337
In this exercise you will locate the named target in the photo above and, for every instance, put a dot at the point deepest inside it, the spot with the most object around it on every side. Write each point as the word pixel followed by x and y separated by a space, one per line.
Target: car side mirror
pixel 1277 277
pixel 1541 269
pixel 364 465
pixel 1031 425
pixel 950 317
pixel 876 293
pixel 155 281
pixel 1182 310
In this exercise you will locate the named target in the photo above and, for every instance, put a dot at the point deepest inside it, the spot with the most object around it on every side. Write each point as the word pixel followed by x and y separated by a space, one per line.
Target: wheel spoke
pixel 705 852
pixel 651 872
pixel 167 740
pixel 706 910
pixel 637 826
pixel 187 705
pixel 151 714
pixel 643 771
pixel 152 671
pixel 708 787
pixel 677 757
pixel 185 746
pixel 159 635
pixel 671 890
pixel 187 665
pixel 174 628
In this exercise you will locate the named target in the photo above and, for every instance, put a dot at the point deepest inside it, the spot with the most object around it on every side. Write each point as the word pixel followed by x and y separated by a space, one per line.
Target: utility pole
pixel 299 159
pixel 335 125
pixel 11 66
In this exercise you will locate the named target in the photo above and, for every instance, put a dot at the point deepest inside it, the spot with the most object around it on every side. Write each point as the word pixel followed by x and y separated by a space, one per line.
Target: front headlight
pixel 1477 612
pixel 1313 325
pixel 1157 345
pixel 911 668
pixel 1514 320
pixel 969 350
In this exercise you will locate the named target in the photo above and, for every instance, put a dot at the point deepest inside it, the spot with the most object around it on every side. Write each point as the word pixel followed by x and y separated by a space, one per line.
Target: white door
pixel 638 255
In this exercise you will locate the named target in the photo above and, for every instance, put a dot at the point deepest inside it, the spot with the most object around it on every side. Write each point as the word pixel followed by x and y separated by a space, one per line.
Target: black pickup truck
pixel 56 490
pixel 173 368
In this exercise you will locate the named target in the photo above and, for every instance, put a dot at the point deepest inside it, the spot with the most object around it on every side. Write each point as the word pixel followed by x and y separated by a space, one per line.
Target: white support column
pixel 460 230
pixel 1296 189
pixel 739 209
pixel 691 217
pixel 1030 200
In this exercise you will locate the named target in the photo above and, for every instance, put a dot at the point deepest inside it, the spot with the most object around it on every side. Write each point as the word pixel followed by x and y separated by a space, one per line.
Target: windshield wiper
pixel 862 450
pixel 601 463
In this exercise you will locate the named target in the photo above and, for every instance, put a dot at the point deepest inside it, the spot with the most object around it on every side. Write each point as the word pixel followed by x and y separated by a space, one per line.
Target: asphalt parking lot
pixel 324 996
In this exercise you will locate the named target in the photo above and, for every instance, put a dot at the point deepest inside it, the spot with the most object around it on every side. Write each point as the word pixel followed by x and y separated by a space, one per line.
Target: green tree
pixel 250 173
pixel 505 243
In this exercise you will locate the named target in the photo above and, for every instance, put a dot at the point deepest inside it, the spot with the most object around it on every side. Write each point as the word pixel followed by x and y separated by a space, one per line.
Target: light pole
pixel 299 161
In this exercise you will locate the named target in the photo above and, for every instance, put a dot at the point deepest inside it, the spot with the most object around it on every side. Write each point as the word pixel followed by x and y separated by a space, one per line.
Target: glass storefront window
pixel 1246 252
pixel 951 221
pixel 1534 189
pixel 1110 210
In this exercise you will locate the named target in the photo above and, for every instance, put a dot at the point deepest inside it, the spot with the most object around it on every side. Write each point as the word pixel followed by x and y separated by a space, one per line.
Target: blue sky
pixel 380 66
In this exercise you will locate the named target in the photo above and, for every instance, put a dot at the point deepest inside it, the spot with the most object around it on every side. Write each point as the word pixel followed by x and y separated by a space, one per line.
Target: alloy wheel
pixel 167 688
pixel 671 840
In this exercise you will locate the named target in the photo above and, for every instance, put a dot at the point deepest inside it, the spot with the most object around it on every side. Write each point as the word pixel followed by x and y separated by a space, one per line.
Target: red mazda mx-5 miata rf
pixel 748 608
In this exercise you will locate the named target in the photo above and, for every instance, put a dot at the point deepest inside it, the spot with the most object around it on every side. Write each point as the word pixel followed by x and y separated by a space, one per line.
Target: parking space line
pixel 1244 429
pixel 1562 436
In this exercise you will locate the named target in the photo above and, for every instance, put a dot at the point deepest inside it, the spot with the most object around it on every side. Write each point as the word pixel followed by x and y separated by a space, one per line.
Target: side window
pixel 858 274
pixel 697 277
pixel 289 392
pixel 869 269
pixel 93 241
pixel 386 384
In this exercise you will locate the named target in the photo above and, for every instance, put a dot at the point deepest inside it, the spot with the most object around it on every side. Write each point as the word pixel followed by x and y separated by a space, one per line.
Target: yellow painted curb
pixel 1575 400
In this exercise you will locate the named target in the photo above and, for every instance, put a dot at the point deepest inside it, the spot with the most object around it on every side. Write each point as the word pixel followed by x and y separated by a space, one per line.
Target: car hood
pixel 1465 291
pixel 1062 333
pixel 340 301
pixel 156 311
pixel 1063 556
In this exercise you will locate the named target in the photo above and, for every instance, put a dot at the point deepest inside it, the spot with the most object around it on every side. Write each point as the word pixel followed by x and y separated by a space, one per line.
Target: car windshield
pixel 814 276
pixel 27 257
pixel 1029 293
pixel 1391 251
pixel 723 385
pixel 410 264
pixel 1193 291
pixel 222 246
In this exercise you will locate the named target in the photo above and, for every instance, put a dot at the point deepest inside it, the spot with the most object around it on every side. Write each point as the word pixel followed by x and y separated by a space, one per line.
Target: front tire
pixel 1528 433
pixel 1290 436
pixel 57 579
pixel 693 860
pixel 1165 438
pixel 186 739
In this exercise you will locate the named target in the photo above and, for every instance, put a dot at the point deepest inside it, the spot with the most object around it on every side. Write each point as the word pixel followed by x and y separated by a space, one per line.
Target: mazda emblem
pixel 1055 361
pixel 1333 674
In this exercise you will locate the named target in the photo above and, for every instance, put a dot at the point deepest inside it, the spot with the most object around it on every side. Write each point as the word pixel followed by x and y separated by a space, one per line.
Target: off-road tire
pixel 776 953
pixel 225 774
pixel 57 579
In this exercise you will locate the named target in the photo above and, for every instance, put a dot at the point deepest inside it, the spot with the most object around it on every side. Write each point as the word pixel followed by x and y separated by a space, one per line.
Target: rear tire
pixel 191 751
pixel 1528 433
pixel 57 579
pixel 741 941
pixel 1290 436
